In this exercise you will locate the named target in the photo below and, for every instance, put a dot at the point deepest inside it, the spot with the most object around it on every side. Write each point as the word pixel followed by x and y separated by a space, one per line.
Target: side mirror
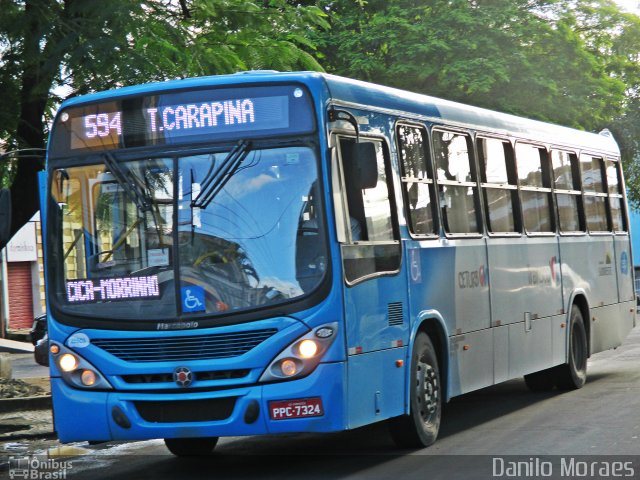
pixel 5 215
pixel 367 162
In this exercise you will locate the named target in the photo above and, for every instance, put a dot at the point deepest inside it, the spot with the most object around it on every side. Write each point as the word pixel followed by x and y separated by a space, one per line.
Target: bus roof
pixel 357 93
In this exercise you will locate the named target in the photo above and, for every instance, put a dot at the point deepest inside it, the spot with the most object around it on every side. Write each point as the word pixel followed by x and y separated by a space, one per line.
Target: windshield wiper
pixel 216 182
pixel 127 181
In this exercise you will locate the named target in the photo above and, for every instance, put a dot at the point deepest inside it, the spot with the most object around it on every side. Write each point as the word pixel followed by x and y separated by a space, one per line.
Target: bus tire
pixel 420 428
pixel 573 374
pixel 191 447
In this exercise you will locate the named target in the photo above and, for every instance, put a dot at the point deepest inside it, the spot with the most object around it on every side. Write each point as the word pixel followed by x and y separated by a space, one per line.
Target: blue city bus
pixel 267 252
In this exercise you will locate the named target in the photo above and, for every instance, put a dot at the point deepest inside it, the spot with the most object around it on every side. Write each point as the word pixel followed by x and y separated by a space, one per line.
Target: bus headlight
pixel 88 378
pixel 302 356
pixel 308 348
pixel 78 372
pixel 68 362
pixel 288 367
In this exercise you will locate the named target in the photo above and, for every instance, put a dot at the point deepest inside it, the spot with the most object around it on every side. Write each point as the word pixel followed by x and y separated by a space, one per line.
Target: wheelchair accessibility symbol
pixel 192 299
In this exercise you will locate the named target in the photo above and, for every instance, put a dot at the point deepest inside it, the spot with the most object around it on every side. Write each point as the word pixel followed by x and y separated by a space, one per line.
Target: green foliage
pixel 541 59
pixel 571 62
pixel 232 35
pixel 54 48
pixel 84 46
pixel 626 130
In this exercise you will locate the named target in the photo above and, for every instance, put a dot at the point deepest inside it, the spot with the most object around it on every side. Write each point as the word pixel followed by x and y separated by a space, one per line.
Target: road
pixel 601 419
pixel 24 366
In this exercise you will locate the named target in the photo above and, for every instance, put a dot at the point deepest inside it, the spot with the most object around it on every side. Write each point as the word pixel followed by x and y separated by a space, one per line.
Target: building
pixel 22 278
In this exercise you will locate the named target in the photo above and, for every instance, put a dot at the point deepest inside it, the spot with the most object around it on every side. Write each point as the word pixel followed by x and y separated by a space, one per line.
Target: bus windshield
pixel 130 240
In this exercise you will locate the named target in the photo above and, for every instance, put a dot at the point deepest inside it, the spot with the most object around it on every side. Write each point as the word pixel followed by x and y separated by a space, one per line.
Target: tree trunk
pixel 39 70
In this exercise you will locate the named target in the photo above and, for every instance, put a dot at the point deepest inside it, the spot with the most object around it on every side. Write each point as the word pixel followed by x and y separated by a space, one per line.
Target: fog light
pixel 88 378
pixel 288 367
pixel 308 348
pixel 68 363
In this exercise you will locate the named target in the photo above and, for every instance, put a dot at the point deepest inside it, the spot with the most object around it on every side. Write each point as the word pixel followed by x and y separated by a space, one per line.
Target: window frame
pixel 594 194
pixel 512 176
pixel 474 184
pixel 616 163
pixel 336 136
pixel 545 164
pixel 576 177
pixel 405 180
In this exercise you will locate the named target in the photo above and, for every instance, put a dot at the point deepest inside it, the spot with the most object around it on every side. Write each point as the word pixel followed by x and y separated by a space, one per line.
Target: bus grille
pixel 196 347
pixel 199 376
pixel 207 410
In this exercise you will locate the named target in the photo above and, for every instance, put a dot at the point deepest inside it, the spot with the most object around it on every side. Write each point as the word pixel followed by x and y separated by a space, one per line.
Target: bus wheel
pixel 191 447
pixel 573 375
pixel 420 428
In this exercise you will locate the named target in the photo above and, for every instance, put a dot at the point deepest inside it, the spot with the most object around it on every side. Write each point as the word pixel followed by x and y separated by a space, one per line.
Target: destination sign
pixel 128 288
pixel 208 115
pixel 183 117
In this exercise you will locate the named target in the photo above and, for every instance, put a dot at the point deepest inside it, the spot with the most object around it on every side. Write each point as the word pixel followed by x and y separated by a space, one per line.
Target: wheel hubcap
pixel 579 357
pixel 428 391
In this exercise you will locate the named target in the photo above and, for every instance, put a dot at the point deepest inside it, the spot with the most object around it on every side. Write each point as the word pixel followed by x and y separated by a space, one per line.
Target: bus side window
pixel 567 189
pixel 417 181
pixel 68 195
pixel 369 206
pixel 499 185
pixel 595 196
pixel 456 182
pixel 535 188
pixel 616 201
pixel 375 248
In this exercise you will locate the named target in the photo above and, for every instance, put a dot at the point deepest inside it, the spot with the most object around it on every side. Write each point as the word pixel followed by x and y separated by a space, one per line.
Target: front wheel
pixel 420 428
pixel 191 447
pixel 573 374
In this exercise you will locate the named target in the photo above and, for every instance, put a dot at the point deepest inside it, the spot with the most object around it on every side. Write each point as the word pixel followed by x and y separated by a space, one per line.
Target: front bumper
pixel 86 415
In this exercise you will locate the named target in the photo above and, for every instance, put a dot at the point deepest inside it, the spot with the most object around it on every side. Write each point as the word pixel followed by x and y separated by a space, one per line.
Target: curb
pixel 13 346
pixel 42 402
pixel 27 435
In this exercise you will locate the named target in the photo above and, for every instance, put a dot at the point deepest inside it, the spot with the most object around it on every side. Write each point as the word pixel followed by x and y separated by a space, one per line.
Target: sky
pixel 630 5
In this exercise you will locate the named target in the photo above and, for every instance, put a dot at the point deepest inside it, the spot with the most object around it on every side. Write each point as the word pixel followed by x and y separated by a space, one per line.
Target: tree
pixel 519 56
pixel 572 62
pixel 83 46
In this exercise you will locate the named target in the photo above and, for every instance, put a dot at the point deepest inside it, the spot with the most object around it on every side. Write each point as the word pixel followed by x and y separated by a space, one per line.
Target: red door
pixel 20 295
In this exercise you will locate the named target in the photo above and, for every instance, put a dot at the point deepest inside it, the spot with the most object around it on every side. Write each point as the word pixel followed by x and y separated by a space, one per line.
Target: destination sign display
pixel 105 289
pixel 183 117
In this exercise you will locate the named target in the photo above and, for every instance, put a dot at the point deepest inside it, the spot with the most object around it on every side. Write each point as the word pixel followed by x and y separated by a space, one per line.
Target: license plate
pixel 302 408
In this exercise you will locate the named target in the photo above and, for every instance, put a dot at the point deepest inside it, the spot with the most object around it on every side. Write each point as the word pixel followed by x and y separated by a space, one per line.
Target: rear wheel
pixel 191 447
pixel 573 374
pixel 420 428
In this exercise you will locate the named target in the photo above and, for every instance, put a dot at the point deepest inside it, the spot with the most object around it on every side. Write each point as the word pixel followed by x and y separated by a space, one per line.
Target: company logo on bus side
pixel 474 278
pixel 539 277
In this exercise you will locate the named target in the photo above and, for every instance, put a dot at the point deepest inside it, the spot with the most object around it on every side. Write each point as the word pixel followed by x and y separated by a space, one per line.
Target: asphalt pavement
pixel 596 428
